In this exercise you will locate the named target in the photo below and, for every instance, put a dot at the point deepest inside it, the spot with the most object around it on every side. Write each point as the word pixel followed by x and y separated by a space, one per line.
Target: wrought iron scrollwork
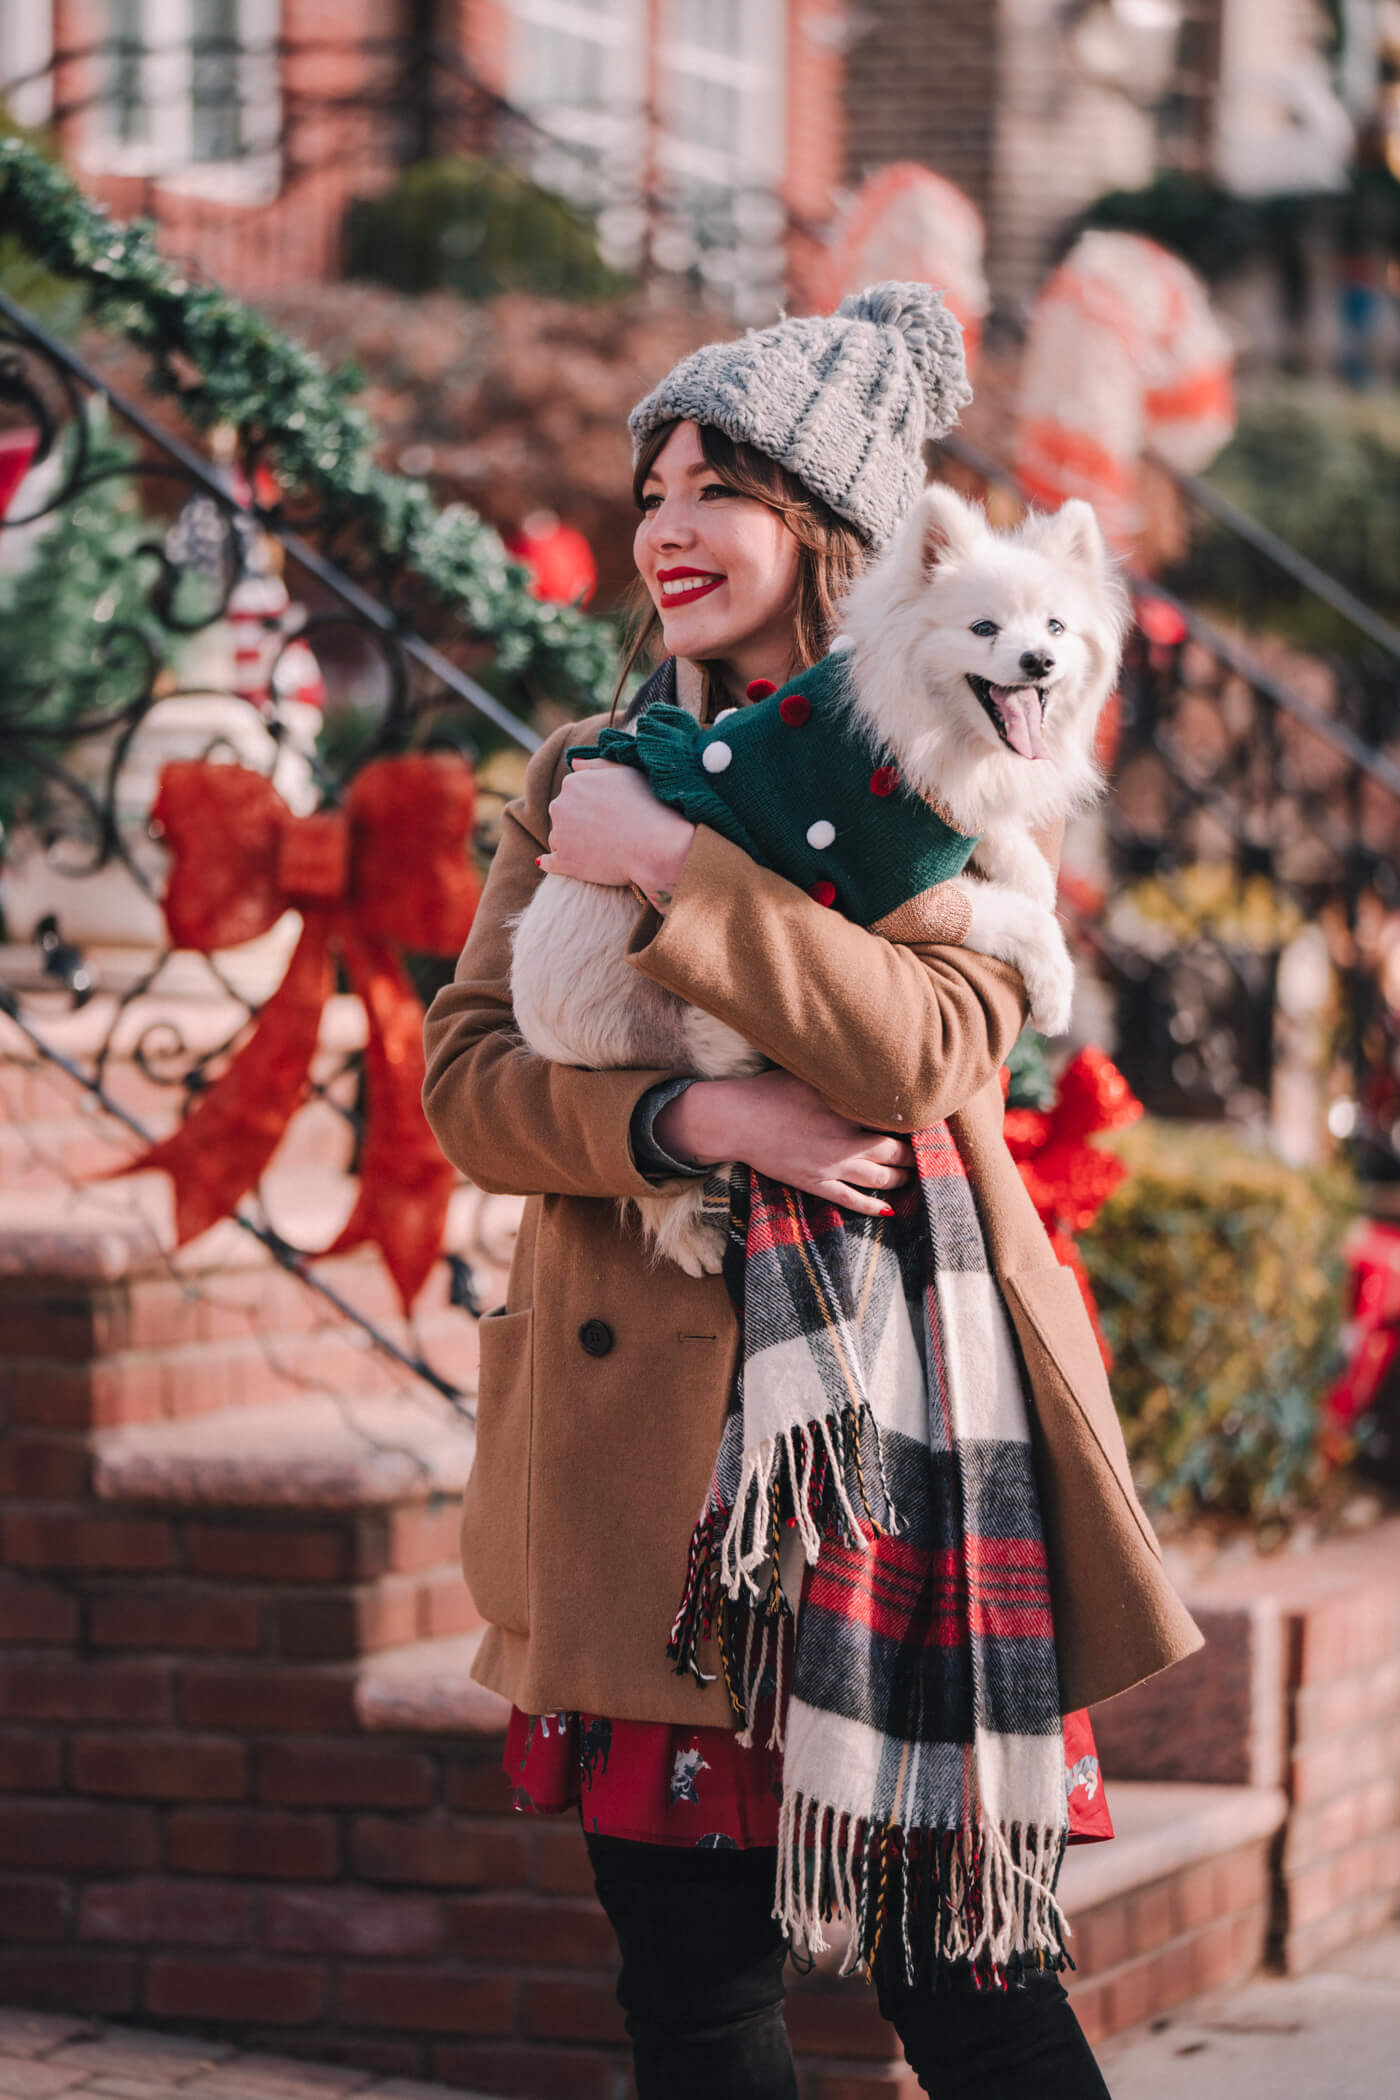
pixel 77 769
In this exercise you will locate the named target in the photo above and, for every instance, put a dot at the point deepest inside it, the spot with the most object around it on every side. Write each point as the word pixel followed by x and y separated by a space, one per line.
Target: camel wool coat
pixel 604 1382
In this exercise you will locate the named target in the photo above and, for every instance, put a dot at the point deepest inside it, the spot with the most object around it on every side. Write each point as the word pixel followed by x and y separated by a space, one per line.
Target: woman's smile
pixel 684 586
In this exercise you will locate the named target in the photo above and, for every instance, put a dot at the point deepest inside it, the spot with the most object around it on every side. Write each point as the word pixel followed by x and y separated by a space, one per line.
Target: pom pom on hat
pixel 933 339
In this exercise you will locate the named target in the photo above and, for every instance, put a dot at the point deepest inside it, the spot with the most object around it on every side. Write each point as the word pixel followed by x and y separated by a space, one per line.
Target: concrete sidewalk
pixel 1333 2034
pixel 50 2056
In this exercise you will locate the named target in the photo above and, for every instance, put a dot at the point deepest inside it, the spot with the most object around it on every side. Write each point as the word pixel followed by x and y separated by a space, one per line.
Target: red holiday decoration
pixel 1373 1327
pixel 389 870
pixel 759 689
pixel 884 780
pixel 1068 1179
pixel 823 891
pixel 1109 733
pixel 1159 621
pixel 17 450
pixel 795 709
pixel 558 557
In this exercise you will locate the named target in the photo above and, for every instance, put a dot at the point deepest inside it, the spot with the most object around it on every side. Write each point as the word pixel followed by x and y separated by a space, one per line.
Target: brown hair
pixel 831 553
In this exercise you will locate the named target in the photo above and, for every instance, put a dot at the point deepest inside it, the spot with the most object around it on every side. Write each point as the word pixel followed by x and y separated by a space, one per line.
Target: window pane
pixel 123 96
pixel 218 127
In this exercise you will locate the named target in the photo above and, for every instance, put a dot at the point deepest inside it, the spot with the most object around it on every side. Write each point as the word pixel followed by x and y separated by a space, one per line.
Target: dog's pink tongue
pixel 1022 718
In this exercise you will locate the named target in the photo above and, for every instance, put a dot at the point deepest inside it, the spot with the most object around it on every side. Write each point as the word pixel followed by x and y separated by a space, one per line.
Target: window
pixel 190 95
pixel 215 87
pixel 577 67
pixel 695 180
pixel 721 67
pixel 722 143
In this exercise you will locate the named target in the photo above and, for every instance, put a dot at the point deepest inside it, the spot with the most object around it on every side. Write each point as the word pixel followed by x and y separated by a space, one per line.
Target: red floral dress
pixel 668 1785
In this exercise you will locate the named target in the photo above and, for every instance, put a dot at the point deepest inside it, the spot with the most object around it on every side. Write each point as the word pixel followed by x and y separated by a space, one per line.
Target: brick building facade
pixel 759 116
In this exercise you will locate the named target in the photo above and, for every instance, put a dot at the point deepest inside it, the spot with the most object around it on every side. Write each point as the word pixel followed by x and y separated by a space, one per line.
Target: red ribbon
pixel 1069 1179
pixel 389 870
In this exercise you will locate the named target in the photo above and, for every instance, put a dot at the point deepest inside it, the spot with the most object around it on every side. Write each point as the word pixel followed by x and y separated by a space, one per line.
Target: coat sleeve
pixel 515 1123
pixel 894 1036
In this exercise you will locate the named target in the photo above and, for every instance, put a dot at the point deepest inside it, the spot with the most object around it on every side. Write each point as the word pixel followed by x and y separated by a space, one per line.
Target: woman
pixel 766 471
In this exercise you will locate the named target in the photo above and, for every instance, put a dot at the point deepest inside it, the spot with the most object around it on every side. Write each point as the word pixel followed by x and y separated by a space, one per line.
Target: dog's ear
pixel 1072 532
pixel 942 527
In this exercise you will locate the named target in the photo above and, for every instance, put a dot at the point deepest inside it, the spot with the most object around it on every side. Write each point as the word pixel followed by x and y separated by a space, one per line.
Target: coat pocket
pixel 1067 1375
pixel 496 1504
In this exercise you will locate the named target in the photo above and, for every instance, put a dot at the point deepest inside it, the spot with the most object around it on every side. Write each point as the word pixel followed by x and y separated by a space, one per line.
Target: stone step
pixel 349 1454
pixel 327 1533
pixel 150 1039
pixel 1177 1904
pixel 427 1688
pixel 78 1144
pixel 104 1322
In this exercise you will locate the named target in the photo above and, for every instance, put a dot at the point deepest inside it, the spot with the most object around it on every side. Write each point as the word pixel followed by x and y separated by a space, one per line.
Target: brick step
pixel 193 1012
pixel 344 1455
pixel 103 1323
pixel 79 1143
pixel 1177 1904
pixel 327 1532
pixel 428 1689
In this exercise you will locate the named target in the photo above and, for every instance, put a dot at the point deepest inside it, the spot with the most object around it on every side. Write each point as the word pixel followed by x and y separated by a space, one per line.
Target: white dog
pixel 979 662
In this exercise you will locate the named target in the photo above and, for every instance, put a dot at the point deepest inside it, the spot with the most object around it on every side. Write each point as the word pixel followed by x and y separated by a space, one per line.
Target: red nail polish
pixel 887 1211
pixel 538 859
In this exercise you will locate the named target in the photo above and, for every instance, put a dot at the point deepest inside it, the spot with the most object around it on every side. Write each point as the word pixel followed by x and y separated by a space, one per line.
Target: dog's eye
pixel 986 628
pixel 1056 626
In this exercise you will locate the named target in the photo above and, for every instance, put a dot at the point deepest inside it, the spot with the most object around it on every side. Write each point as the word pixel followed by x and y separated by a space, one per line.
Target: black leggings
pixel 702 1988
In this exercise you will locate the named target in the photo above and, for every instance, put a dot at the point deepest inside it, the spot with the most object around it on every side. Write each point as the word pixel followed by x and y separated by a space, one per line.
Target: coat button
pixel 596 1336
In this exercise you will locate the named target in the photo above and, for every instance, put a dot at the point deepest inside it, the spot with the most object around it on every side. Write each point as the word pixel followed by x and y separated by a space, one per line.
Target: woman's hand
pixel 606 826
pixel 782 1127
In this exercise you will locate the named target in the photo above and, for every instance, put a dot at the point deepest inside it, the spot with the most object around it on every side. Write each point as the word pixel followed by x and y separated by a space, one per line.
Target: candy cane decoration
pixel 908 224
pixel 1124 356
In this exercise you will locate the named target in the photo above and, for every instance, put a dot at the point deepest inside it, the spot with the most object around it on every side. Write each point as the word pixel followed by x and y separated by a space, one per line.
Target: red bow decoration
pixel 389 870
pixel 1068 1178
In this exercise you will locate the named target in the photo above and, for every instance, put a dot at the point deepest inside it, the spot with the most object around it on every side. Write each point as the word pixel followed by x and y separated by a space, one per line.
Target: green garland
pixel 285 401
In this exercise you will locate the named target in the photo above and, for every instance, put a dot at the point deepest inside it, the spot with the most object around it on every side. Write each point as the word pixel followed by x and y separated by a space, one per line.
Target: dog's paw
pixel 699 1250
pixel 1050 987
pixel 677 1229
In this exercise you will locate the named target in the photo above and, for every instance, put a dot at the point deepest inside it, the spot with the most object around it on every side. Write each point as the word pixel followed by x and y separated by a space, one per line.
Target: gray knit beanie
pixel 844 401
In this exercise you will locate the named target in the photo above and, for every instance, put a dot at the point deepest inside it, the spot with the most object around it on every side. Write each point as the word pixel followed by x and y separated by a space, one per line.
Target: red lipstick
pixel 693 585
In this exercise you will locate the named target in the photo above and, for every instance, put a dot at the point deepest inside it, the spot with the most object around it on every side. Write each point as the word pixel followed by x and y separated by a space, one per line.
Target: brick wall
pixel 992 98
pixel 1299 1686
pixel 921 84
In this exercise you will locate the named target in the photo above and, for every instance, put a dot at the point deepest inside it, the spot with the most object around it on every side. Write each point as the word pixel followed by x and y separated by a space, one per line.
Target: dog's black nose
pixel 1036 662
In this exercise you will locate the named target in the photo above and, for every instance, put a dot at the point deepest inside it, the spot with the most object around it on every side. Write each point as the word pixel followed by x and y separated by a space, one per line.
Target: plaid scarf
pixel 879 1418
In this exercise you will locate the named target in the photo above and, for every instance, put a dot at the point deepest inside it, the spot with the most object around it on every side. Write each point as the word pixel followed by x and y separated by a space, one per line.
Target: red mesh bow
pixel 389 870
pixel 1068 1178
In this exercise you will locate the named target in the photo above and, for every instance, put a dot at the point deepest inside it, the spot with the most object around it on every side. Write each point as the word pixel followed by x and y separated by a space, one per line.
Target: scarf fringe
pixel 816 1476
pixel 984 1898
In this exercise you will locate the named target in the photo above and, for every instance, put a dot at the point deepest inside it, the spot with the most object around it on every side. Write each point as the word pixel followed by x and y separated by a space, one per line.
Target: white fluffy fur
pixel 909 623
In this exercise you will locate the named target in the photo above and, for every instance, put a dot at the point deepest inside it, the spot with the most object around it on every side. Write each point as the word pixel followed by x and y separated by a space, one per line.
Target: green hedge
pixel 1321 467
pixel 476 228
pixel 1219 1277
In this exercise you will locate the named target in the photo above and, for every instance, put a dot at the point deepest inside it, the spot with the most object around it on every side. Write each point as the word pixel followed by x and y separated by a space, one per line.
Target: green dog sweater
pixel 794 780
